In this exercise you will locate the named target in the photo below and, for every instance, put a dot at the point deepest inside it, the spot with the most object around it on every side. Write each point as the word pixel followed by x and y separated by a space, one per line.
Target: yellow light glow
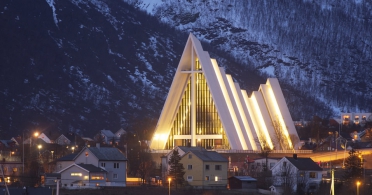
pixel 240 110
pixel 280 117
pixel 261 122
pixel 36 134
pixel 229 105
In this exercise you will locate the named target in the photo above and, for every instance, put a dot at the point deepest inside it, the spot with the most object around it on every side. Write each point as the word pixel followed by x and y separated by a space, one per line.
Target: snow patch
pixel 51 5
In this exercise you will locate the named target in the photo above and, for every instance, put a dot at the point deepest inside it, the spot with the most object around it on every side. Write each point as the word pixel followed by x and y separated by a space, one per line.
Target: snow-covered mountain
pixel 322 47
pixel 87 65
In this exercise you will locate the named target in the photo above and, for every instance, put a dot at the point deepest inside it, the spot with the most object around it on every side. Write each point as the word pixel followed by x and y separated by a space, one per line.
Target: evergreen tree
pixel 176 168
pixel 353 166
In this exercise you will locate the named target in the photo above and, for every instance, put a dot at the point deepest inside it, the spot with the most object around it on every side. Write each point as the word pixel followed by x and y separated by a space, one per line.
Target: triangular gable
pixel 200 89
pixel 221 97
pixel 62 170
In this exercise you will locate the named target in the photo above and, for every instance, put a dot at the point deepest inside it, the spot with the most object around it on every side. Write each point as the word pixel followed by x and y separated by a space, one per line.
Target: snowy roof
pixel 107 153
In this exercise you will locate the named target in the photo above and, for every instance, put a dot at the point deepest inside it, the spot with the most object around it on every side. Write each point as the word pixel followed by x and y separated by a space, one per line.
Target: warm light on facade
pixel 205 107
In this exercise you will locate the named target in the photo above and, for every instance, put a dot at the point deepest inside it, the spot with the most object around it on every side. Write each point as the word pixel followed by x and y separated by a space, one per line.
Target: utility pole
pixel 333 182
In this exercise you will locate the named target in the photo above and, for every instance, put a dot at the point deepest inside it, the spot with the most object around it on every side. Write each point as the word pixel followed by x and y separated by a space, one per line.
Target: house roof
pixel 245 178
pixel 107 133
pixel 85 167
pixel 91 168
pixel 107 153
pixel 304 164
pixel 208 156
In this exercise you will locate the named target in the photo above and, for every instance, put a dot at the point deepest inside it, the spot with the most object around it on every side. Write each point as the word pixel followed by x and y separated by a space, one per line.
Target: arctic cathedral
pixel 206 108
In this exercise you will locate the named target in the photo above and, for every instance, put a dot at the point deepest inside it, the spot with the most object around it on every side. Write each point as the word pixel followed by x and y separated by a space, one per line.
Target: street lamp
pixel 358 184
pixel 73 149
pixel 52 154
pixel 39 146
pixel 169 182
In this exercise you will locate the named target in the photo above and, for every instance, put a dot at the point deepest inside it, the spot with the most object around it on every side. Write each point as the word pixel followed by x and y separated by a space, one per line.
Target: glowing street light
pixel 73 149
pixel 39 147
pixel 169 182
pixel 358 184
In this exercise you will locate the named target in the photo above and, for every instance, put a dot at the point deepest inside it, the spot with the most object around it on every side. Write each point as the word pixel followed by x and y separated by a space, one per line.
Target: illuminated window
pixel 86 177
pixel 76 174
pixel 312 174
pixel 97 176
pixel 15 169
pixel 217 178
pixel 206 178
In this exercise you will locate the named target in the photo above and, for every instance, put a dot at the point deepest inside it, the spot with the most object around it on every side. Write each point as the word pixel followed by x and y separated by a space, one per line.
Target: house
pixel 109 159
pixel 106 137
pixel 295 173
pixel 66 139
pixel 205 169
pixel 119 133
pixel 82 176
pixel 242 182
pixel 259 164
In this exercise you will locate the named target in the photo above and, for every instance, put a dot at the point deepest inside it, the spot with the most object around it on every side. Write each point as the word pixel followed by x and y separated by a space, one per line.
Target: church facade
pixel 206 108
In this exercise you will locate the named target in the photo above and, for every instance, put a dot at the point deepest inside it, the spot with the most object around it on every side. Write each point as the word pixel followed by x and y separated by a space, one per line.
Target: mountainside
pixel 87 65
pixel 321 47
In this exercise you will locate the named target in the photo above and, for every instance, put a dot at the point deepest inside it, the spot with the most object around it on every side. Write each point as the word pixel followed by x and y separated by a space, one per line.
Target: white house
pixel 297 173
pixel 77 176
pixel 111 160
pixel 259 163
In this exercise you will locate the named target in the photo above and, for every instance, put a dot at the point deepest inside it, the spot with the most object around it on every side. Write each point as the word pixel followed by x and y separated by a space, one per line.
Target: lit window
pixel 189 167
pixel 115 176
pixel 217 167
pixel 206 178
pixel 189 178
pixel 97 176
pixel 15 169
pixel 312 175
pixel 217 178
pixel 76 174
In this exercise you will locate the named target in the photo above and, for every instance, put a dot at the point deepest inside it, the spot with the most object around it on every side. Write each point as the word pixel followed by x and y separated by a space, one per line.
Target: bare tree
pixel 295 140
pixel 280 136
pixel 286 176
pixel 266 149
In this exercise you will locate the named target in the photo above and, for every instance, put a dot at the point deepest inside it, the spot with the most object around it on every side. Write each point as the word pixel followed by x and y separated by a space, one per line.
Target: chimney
pixel 295 156
pixel 97 145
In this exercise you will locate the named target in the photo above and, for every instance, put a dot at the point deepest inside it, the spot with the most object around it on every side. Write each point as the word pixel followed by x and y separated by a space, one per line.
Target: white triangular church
pixel 206 108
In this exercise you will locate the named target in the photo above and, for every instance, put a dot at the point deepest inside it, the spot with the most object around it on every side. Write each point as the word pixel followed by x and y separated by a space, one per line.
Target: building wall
pixel 199 172
pixel 67 179
pixel 87 157
pixel 197 169
pixel 355 118
pixel 111 170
